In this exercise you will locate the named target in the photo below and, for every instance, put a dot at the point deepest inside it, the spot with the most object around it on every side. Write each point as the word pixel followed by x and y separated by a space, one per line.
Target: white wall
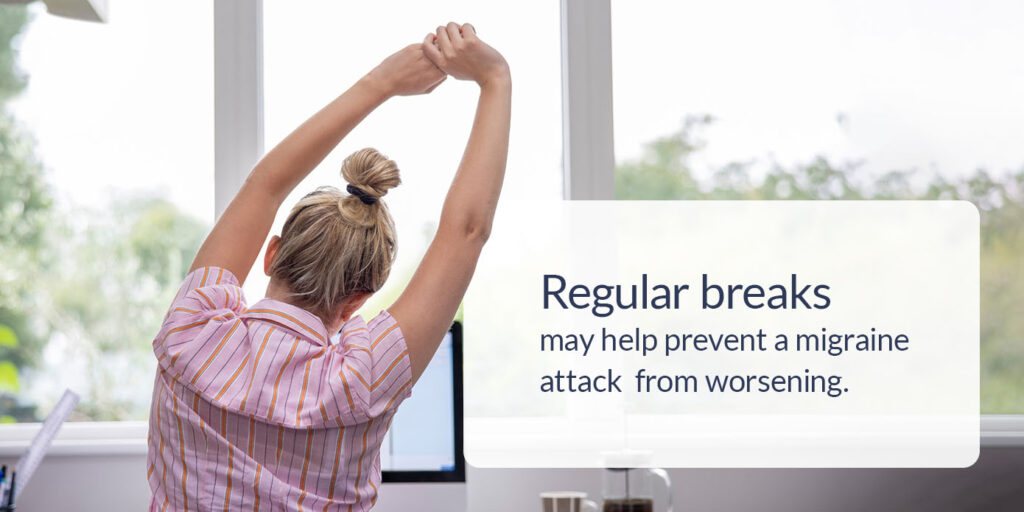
pixel 995 483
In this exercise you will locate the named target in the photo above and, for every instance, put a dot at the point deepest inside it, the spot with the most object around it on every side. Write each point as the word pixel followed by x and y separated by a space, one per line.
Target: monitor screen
pixel 424 443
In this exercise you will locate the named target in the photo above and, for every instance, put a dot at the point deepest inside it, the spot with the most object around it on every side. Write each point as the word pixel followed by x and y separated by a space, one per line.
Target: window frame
pixel 238 145
pixel 588 171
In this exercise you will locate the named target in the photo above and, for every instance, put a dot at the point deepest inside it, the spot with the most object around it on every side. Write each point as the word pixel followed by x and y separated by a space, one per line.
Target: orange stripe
pixel 352 331
pixel 305 466
pixel 149 472
pixel 216 351
pixel 399 392
pixel 382 335
pixel 334 473
pixel 206 271
pixel 357 347
pixel 252 433
pixel 182 328
pixel 219 275
pixel 232 379
pixel 348 395
pixel 358 376
pixel 208 301
pixel 289 317
pixel 323 412
pixel 231 465
pixel 187 310
pixel 184 467
pixel 259 354
pixel 256 488
pixel 174 358
pixel 163 474
pixel 305 380
pixel 359 471
pixel 280 437
pixel 373 500
pixel 273 399
pixel 392 367
pixel 195 407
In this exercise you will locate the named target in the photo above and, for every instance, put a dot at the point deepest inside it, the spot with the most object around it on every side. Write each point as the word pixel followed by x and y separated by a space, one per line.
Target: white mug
pixel 566 501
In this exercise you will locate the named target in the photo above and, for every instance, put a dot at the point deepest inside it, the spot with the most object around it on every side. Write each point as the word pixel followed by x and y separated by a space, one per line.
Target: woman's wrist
pixel 498 77
pixel 377 86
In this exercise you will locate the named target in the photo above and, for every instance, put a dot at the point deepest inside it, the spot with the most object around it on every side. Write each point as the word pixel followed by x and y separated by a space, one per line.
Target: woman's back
pixel 253 408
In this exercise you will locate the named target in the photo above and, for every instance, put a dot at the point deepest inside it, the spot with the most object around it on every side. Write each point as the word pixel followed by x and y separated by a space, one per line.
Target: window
pixel 107 131
pixel 309 60
pixel 799 99
pixel 107 172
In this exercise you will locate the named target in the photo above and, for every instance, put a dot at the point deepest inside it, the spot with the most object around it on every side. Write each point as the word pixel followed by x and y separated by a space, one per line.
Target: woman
pixel 253 407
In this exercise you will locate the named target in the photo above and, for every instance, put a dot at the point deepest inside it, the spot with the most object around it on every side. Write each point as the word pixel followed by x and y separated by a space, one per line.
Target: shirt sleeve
pixel 208 302
pixel 392 369
pixel 372 373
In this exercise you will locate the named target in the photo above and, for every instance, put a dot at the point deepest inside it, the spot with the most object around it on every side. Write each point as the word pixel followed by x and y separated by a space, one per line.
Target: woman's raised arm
pixel 236 239
pixel 428 304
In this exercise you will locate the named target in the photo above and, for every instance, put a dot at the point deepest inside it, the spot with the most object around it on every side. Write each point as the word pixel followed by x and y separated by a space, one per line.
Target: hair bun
pixel 371 173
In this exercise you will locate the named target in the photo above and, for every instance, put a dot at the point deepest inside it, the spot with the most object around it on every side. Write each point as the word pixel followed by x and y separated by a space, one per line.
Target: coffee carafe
pixel 629 485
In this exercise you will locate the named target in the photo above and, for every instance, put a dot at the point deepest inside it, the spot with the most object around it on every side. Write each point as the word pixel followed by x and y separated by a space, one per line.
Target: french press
pixel 629 484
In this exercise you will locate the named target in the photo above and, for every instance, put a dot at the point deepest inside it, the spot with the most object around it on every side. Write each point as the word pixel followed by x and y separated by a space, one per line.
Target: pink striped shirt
pixel 255 409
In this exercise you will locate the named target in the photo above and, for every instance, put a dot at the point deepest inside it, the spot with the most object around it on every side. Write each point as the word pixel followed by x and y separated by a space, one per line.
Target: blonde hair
pixel 335 244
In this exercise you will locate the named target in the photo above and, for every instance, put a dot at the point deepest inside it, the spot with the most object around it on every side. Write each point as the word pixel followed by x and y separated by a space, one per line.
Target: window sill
pixel 1002 430
pixel 129 437
pixel 93 438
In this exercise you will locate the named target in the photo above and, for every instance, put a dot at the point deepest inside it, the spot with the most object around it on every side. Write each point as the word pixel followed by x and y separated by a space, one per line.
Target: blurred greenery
pixel 664 171
pixel 82 291
pixel 7 337
pixel 120 269
pixel 25 212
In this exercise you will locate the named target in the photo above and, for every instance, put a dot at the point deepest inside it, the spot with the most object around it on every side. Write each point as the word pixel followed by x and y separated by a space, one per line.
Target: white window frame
pixel 238 145
pixel 588 163
pixel 588 170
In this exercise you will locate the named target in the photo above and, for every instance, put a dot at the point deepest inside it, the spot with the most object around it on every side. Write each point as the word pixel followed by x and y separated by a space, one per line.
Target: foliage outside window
pixel 82 288
pixel 664 171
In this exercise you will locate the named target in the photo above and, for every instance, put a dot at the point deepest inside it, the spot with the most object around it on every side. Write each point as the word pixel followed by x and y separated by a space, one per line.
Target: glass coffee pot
pixel 629 485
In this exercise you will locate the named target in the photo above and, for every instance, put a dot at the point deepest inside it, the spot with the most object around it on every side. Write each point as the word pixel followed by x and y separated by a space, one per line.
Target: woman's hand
pixel 406 72
pixel 457 50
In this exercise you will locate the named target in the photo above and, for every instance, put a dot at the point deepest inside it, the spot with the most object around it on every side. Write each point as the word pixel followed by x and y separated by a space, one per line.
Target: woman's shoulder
pixel 382 322
pixel 206 289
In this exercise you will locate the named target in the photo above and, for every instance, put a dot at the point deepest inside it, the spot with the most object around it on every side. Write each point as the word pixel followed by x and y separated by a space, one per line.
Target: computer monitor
pixel 424 443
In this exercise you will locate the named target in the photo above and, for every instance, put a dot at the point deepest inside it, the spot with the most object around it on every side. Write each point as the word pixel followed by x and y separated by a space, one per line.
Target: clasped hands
pixel 452 50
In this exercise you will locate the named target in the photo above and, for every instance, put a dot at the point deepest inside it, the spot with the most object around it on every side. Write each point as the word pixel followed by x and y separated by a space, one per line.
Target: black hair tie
pixel 361 194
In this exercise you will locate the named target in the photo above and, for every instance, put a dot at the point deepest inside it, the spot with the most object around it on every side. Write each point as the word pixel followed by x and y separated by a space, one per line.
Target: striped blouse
pixel 255 409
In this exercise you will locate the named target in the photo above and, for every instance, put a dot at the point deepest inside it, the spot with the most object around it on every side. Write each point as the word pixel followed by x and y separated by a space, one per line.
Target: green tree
pixel 110 291
pixel 99 279
pixel 25 211
pixel 664 172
